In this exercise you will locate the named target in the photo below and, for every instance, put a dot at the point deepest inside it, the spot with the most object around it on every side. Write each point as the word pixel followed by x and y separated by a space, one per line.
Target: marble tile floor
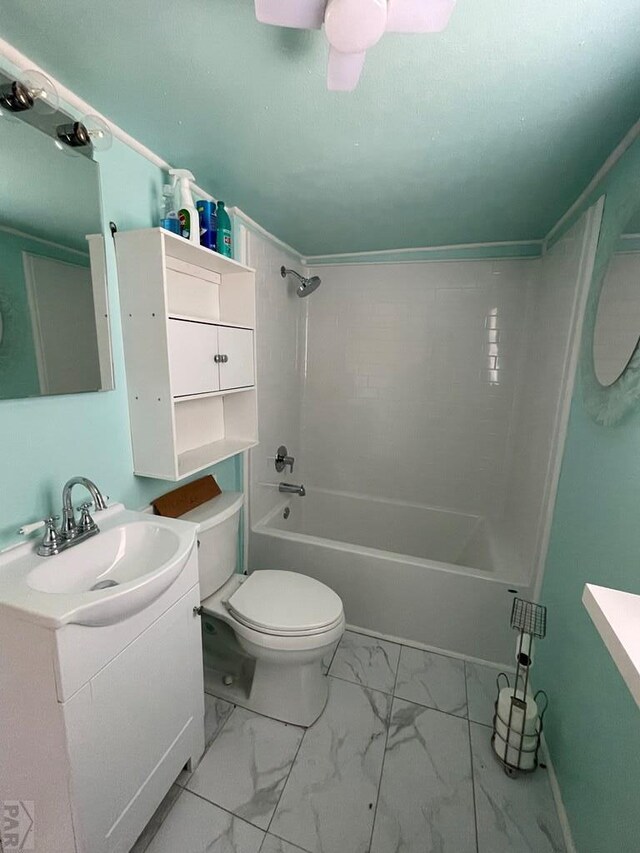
pixel 400 761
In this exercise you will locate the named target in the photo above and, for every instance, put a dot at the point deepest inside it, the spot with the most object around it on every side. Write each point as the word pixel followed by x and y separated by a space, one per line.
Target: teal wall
pixel 593 724
pixel 45 441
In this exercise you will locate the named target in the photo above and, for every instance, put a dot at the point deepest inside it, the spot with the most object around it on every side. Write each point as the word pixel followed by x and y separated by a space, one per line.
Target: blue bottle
pixel 207 213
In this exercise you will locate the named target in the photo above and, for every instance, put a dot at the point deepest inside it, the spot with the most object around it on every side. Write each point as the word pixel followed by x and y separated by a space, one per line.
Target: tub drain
pixel 103 585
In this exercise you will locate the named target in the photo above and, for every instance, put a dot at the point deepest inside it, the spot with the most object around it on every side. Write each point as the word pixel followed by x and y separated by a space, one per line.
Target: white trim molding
pixel 557 797
pixel 454 251
pixel 620 149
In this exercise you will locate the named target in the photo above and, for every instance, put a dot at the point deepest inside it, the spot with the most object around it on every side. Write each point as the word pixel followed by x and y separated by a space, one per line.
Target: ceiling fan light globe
pixel 353 26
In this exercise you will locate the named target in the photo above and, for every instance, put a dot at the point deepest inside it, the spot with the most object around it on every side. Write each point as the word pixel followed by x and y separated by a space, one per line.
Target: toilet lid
pixel 279 602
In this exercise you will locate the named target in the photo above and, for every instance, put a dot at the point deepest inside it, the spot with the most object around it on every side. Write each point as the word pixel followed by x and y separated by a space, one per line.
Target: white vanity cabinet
pixel 96 723
pixel 188 320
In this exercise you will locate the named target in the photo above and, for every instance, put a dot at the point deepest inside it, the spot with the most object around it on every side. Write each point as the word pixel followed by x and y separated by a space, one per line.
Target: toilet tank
pixel 218 521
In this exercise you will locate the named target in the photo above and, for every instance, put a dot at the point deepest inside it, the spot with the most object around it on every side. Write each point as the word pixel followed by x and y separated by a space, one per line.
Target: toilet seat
pixel 285 604
pixel 217 605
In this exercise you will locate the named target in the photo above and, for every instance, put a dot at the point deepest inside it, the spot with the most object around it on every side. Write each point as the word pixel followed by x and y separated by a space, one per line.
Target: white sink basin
pixel 133 559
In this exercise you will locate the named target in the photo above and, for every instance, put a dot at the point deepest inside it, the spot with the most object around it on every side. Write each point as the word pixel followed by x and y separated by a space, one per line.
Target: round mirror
pixel 617 326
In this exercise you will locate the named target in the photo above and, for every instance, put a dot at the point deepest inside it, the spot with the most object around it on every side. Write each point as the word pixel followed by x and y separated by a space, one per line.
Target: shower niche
pixel 188 321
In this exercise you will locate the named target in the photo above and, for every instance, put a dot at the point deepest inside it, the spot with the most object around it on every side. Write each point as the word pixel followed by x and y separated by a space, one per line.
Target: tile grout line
pixel 473 780
pixel 330 662
pixel 295 757
pixel 359 684
pixel 408 701
pixel 384 754
pixel 223 809
pixel 214 739
pixel 279 837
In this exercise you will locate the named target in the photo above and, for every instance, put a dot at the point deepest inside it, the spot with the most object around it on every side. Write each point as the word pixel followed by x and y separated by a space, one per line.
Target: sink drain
pixel 103 585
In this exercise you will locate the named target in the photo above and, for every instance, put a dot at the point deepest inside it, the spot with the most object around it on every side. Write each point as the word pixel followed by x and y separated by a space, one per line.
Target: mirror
pixel 54 324
pixel 617 326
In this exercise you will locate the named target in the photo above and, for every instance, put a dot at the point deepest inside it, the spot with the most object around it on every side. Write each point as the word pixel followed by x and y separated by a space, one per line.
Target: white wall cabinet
pixel 188 319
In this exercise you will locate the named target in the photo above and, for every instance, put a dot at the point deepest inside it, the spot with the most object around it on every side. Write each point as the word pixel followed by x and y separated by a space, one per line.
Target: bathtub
pixel 435 578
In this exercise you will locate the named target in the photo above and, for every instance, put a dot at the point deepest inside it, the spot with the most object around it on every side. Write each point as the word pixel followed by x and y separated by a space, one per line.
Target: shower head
pixel 306 286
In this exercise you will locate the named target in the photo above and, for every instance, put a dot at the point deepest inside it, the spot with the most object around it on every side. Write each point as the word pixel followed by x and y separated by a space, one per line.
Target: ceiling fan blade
pixel 344 70
pixel 300 14
pixel 418 16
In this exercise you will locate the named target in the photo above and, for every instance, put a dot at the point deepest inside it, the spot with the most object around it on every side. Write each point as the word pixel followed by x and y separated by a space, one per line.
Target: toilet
pixel 265 634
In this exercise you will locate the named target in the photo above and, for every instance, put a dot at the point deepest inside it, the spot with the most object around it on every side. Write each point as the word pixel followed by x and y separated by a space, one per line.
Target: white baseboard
pixel 557 796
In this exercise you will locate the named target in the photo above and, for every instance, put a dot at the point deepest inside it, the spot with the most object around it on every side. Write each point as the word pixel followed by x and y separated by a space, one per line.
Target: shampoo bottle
pixel 189 220
pixel 224 231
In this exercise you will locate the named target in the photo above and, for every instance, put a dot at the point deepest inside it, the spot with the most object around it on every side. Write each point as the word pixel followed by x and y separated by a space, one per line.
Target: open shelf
pixel 192 461
pixel 228 391
pixel 190 253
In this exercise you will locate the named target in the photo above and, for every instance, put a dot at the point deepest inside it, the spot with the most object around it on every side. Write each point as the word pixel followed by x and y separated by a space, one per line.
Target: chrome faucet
pixel 69 528
pixel 71 532
pixel 290 489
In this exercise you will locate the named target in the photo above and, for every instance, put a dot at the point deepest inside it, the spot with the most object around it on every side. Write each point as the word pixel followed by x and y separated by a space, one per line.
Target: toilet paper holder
pixel 519 714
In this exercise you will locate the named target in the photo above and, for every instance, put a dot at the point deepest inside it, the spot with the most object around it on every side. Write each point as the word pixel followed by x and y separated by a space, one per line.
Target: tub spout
pixel 290 489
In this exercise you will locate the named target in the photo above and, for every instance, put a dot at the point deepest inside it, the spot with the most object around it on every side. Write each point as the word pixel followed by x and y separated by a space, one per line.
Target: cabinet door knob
pixel 218 359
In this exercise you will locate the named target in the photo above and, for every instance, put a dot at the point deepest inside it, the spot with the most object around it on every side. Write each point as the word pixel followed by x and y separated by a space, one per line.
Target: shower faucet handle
pixel 283 460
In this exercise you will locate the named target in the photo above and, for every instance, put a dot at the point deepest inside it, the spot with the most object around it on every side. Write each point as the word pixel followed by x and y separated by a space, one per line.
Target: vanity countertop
pixel 616 615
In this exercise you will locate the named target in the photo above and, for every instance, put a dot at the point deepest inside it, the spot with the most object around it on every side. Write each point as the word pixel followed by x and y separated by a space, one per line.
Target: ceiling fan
pixel 353 26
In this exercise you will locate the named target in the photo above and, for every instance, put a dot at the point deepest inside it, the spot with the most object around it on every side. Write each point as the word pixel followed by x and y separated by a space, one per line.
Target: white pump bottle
pixel 184 178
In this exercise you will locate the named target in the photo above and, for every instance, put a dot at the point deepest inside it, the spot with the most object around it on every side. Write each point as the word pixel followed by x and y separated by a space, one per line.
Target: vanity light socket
pixel 33 90
pixel 16 97
pixel 74 134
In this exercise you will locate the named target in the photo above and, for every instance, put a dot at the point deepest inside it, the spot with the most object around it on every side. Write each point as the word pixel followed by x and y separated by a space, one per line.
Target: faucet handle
pixel 51 541
pixel 86 522
pixel 283 460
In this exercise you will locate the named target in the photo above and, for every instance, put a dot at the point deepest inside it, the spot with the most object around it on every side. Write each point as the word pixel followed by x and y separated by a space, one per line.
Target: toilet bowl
pixel 265 634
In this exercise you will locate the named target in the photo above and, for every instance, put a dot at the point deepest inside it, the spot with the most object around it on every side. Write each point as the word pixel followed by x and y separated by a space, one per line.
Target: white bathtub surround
pixel 431 414
pixel 328 802
pixel 435 681
pixel 247 766
pixel 546 386
pixel 412 371
pixel 280 341
pixel 366 661
pixel 426 792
